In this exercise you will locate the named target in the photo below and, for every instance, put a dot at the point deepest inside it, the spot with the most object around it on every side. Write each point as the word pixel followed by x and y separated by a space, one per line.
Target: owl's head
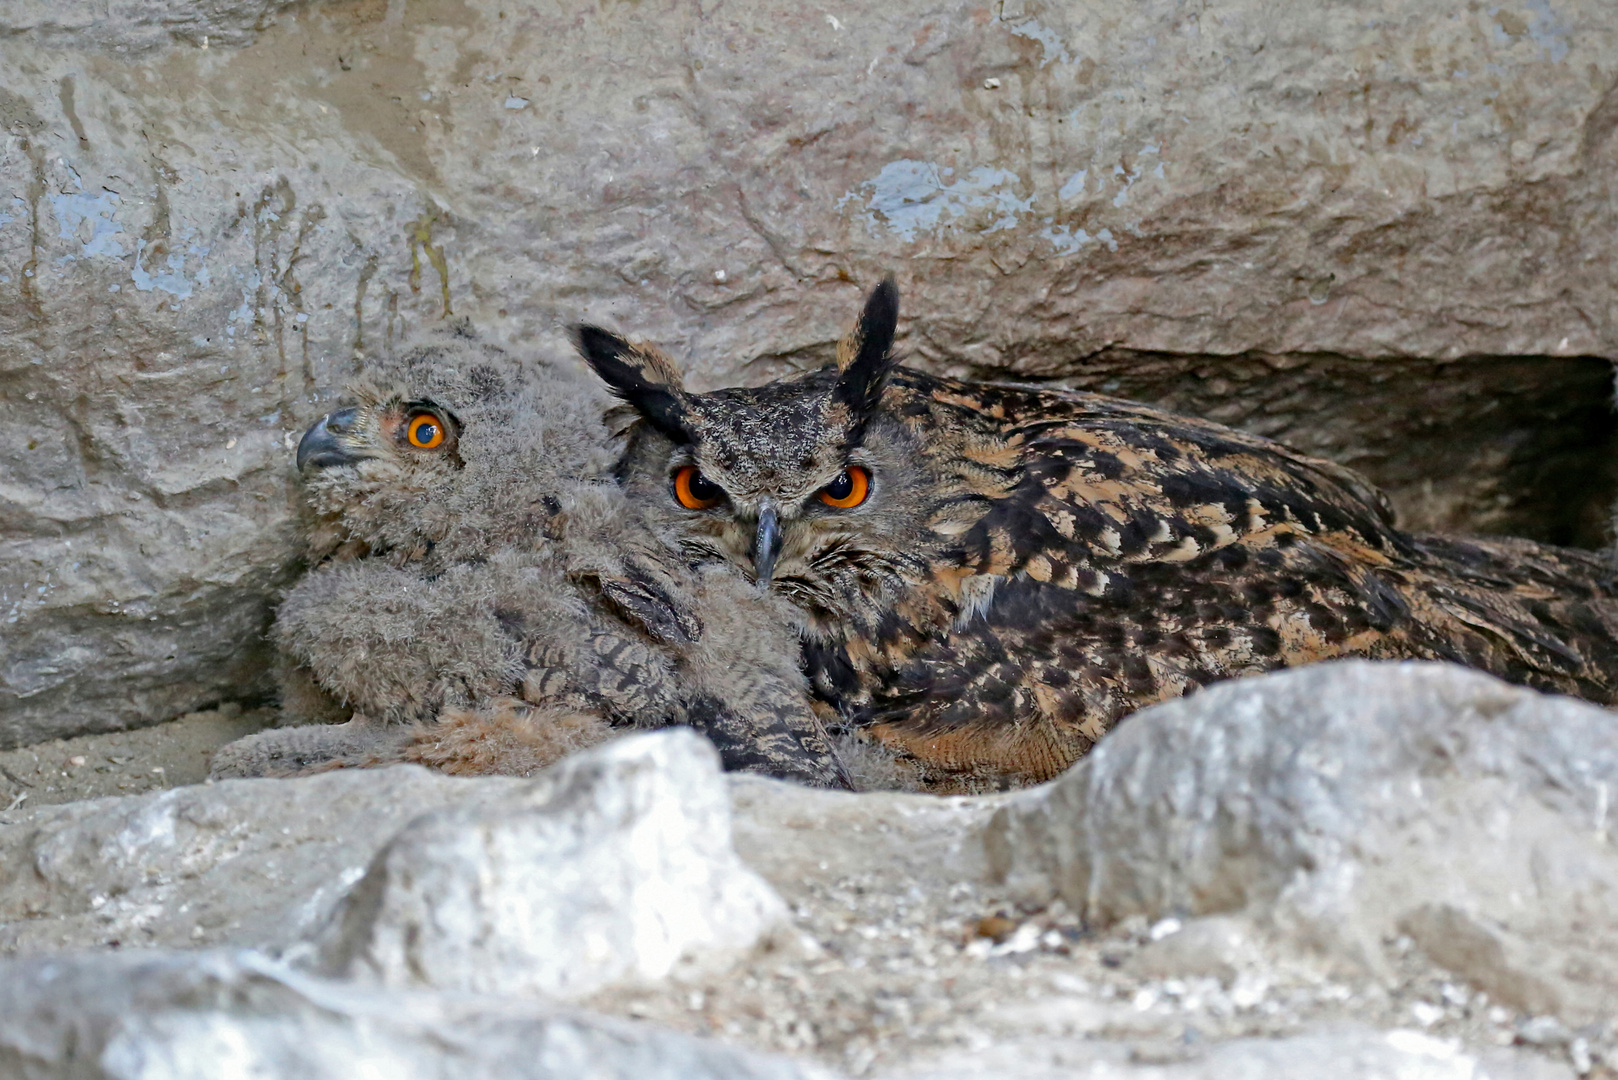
pixel 449 441
pixel 811 486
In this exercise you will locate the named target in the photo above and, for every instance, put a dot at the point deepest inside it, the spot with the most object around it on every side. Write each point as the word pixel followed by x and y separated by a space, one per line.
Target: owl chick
pixel 988 576
pixel 484 598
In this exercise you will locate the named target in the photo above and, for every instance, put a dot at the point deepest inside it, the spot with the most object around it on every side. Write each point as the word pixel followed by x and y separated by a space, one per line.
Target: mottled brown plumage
pixel 485 599
pixel 1030 564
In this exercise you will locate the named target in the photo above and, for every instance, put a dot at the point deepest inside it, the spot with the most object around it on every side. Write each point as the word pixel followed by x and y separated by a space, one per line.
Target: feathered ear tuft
pixel 640 375
pixel 865 356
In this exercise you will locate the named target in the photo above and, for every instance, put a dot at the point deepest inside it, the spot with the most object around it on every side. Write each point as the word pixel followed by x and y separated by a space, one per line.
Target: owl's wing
pixel 1024 689
pixel 1130 556
pixel 1075 484
pixel 782 738
pixel 647 598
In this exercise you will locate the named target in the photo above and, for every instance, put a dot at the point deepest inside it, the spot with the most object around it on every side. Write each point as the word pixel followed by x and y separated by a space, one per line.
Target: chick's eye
pixel 848 490
pixel 425 431
pixel 694 491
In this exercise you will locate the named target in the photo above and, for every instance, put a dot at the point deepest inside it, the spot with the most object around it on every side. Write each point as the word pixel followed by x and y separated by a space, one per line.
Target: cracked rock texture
pixel 1343 806
pixel 1383 230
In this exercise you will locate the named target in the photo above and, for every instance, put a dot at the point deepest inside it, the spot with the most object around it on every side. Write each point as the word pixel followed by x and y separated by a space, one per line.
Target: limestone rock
pixel 243 862
pixel 1343 805
pixel 262 863
pixel 137 26
pixel 615 866
pixel 202 1016
pixel 1351 1053
pixel 209 209
pixel 1216 947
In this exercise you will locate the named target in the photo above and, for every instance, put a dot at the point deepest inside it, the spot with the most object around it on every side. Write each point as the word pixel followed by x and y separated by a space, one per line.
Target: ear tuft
pixel 640 375
pixel 865 356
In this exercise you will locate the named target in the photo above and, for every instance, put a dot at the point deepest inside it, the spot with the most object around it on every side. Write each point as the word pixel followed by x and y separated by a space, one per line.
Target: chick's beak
pixel 766 545
pixel 323 446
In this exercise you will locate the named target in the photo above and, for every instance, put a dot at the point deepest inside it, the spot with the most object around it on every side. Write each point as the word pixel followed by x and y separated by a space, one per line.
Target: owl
pixel 987 576
pixel 484 598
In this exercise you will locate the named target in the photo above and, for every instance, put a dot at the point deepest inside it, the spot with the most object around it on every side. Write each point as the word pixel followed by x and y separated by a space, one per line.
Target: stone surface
pixel 615 866
pixel 1342 806
pixel 203 1016
pixel 1352 1054
pixel 208 208
pixel 171 754
pixel 905 955
pixel 262 863
pixel 242 862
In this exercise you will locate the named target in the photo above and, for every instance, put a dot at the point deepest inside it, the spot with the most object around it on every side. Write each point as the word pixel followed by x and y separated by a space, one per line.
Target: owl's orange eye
pixel 695 491
pixel 425 431
pixel 848 490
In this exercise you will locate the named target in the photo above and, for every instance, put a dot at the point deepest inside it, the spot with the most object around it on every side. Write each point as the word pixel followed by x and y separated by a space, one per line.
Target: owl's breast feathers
pixel 1120 556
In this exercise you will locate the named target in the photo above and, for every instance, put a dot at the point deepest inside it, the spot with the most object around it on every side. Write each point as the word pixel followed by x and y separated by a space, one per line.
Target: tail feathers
pixel 1540 616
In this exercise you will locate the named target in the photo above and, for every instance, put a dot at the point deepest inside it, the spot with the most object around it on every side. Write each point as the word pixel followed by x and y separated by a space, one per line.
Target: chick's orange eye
pixel 848 490
pixel 695 491
pixel 426 431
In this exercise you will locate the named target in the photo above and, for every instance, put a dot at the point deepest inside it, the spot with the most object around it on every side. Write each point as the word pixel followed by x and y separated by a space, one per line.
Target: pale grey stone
pixel 262 863
pixel 209 209
pixel 896 842
pixel 137 26
pixel 1216 947
pixel 615 866
pixel 240 862
pixel 1342 805
pixel 212 1015
pixel 1346 1054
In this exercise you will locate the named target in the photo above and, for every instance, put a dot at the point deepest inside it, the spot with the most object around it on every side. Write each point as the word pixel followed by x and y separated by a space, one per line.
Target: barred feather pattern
pixel 1131 556
pixel 1022 567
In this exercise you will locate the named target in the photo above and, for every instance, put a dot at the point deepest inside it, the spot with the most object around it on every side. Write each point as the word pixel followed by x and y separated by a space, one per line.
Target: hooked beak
pixel 322 445
pixel 766 546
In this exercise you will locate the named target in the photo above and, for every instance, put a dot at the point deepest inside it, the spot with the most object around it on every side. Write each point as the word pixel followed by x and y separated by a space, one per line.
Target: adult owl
pixel 483 598
pixel 987 576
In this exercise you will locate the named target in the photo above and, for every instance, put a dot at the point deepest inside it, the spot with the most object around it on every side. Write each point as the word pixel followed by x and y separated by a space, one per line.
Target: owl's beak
pixel 766 545
pixel 322 445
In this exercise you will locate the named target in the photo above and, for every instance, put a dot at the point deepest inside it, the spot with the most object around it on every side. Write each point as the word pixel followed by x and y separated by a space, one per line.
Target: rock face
pixel 615 866
pixel 212 208
pixel 201 1016
pixel 1344 805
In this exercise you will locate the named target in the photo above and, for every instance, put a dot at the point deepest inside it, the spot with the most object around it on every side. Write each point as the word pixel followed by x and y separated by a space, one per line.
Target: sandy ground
pixel 965 984
pixel 123 762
